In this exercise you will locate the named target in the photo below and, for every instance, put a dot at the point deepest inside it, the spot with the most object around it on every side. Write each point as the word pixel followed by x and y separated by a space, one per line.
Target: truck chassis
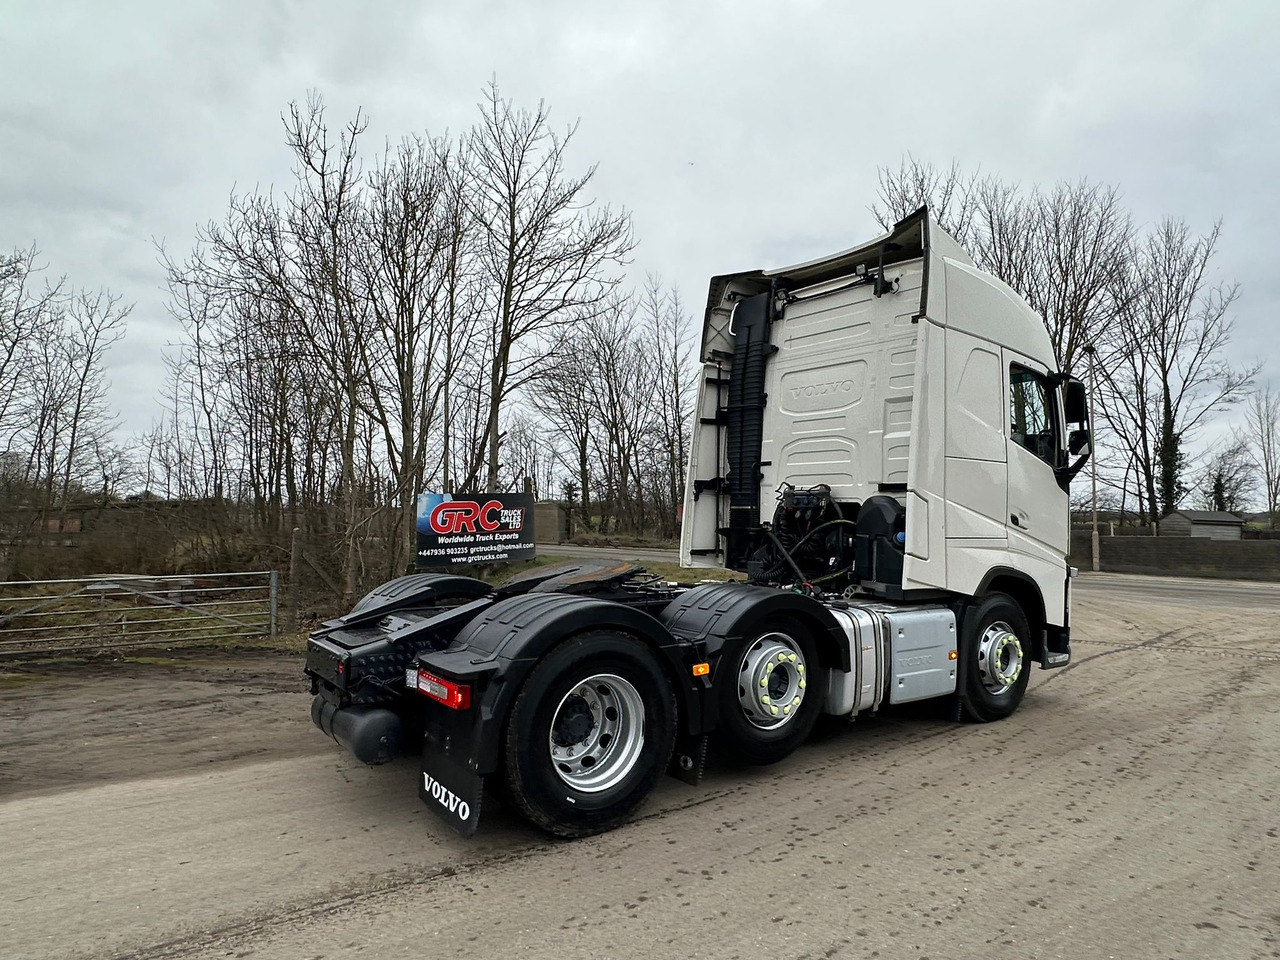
pixel 574 687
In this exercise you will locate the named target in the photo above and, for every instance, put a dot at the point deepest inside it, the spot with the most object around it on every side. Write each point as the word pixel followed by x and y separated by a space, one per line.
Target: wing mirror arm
pixel 1077 441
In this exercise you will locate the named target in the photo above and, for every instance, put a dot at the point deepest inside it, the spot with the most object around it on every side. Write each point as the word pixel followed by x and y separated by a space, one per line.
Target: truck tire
pixel 994 644
pixel 589 734
pixel 766 705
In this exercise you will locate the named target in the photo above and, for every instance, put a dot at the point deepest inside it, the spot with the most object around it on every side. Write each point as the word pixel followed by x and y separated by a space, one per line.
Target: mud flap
pixel 689 758
pixel 451 791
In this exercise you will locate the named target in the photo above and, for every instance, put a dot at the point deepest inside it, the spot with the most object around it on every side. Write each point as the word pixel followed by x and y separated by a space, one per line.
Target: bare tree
pixel 1064 250
pixel 24 313
pixel 530 452
pixel 94 322
pixel 1227 480
pixel 460 306
pixel 1080 239
pixel 548 253
pixel 666 337
pixel 566 405
pixel 1162 359
pixel 403 266
pixel 949 194
pixel 1146 304
pixel 323 218
pixel 619 393
pixel 56 425
pixel 1261 435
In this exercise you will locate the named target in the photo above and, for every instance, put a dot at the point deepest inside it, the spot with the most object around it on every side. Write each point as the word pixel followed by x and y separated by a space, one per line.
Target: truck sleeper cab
pixel 882 449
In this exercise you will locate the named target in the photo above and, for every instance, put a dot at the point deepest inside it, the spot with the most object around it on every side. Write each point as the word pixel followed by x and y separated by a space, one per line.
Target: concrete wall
pixel 1176 525
pixel 1181 556
pixel 1216 531
pixel 550 522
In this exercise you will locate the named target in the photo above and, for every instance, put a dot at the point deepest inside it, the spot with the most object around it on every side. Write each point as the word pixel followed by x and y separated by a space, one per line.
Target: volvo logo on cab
pixel 826 388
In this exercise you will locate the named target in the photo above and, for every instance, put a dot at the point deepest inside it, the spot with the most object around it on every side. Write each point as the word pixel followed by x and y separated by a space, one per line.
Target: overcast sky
pixel 738 134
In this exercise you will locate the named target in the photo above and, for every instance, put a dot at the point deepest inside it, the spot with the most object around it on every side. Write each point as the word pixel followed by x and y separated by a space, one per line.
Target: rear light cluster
pixel 456 696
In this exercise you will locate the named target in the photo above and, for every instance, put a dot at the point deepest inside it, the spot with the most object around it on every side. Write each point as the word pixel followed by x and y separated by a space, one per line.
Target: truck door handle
pixel 1013 517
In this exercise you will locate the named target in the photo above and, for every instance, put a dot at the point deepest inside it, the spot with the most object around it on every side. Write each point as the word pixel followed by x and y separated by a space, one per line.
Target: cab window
pixel 1031 423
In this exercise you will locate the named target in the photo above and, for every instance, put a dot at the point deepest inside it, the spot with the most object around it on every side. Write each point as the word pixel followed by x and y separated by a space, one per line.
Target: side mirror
pixel 1076 404
pixel 1077 440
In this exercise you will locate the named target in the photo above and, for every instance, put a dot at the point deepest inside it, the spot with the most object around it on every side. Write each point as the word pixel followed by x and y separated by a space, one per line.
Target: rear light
pixel 455 696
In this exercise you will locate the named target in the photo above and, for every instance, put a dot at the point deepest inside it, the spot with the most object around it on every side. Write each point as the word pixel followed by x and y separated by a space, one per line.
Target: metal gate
pixel 131 611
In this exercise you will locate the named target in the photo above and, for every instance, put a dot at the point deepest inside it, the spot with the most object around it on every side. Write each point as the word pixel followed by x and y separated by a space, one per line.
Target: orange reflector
pixel 701 669
pixel 953 655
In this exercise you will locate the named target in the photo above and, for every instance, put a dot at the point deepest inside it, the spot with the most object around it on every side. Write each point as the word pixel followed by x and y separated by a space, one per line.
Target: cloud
pixel 738 134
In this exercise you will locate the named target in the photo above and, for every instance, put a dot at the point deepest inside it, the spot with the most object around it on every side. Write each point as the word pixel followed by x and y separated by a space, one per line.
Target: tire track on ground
pixel 1125 648
pixel 367 891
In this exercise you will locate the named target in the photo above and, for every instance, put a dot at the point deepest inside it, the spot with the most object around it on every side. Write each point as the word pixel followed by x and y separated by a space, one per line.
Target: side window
pixel 1031 423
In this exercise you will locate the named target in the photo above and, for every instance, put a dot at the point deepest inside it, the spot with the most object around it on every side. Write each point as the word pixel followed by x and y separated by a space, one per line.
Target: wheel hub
pixel 574 722
pixel 1000 659
pixel 772 681
pixel 597 733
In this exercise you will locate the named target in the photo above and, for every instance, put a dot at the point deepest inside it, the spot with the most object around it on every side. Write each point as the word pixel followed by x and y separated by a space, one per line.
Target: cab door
pixel 1038 510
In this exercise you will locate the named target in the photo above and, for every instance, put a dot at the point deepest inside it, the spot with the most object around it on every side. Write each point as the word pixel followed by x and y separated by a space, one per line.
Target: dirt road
pixel 1130 809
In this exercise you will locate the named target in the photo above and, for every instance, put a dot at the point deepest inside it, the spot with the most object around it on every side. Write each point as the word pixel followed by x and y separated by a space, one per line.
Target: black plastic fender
pixel 417 589
pixel 1025 592
pixel 497 650
pixel 713 613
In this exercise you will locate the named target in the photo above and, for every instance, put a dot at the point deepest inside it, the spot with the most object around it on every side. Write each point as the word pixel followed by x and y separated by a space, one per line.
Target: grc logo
pixel 462 516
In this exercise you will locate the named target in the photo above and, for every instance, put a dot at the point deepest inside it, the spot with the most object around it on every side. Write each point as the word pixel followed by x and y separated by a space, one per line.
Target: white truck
pixel 882 448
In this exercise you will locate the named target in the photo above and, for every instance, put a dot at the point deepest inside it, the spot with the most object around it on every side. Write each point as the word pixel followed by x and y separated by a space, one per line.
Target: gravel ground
pixel 1130 809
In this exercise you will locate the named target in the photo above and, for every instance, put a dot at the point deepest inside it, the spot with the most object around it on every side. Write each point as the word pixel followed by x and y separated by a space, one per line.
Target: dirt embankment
pixel 69 723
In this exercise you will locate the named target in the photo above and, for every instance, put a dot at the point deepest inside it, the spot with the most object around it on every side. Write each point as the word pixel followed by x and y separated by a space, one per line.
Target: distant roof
pixel 1207 516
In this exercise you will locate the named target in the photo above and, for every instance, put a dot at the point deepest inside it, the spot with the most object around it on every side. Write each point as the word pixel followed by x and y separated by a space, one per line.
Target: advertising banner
pixel 461 529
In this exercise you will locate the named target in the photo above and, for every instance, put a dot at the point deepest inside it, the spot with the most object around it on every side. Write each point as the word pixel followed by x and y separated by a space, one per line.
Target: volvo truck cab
pixel 894 377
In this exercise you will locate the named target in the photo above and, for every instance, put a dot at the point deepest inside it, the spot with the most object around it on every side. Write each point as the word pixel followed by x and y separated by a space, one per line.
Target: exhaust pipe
pixel 371 734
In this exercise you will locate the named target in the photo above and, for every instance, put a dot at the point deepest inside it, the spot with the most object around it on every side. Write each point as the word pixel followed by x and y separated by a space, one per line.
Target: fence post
pixel 295 572
pixel 275 600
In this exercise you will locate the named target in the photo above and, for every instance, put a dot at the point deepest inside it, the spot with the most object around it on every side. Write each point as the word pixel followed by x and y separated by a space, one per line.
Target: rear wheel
pixel 591 731
pixel 995 647
pixel 768 705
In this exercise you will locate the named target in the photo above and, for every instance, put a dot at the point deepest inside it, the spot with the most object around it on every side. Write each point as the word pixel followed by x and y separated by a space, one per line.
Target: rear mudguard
pixel 714 613
pixel 364 664
pixel 415 590
pixel 497 650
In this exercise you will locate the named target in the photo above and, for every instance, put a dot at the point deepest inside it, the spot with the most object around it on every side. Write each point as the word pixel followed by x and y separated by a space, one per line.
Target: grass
pixel 12 681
